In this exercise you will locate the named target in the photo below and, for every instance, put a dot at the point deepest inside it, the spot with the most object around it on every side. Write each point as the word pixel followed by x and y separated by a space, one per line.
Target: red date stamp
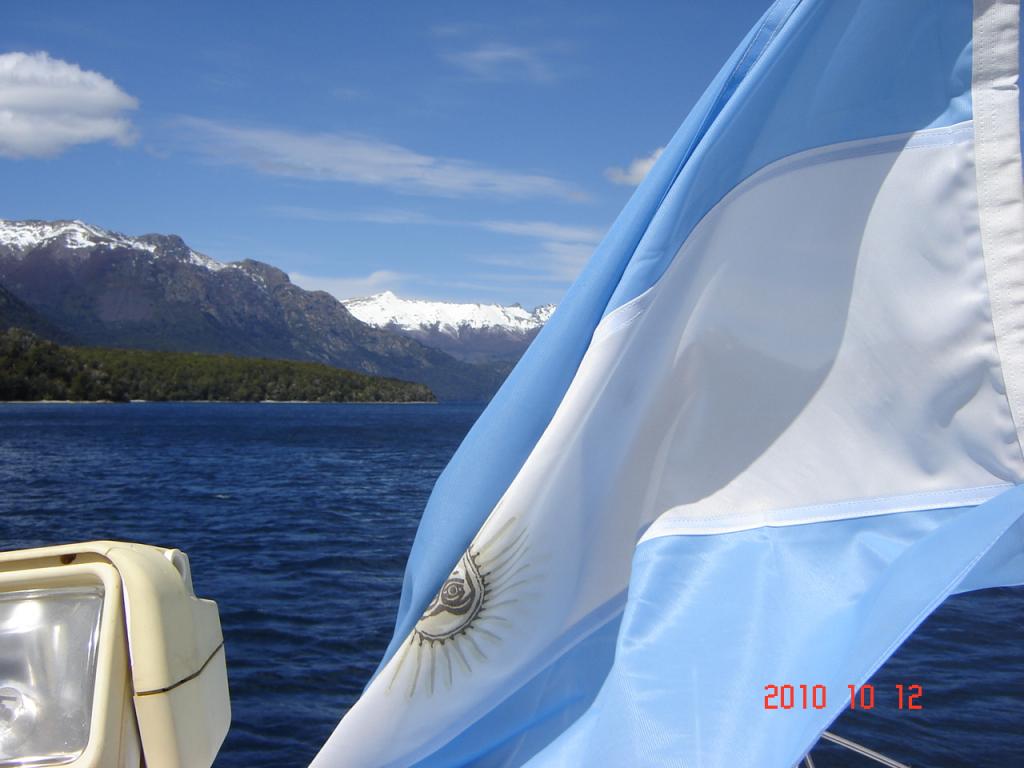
pixel 817 696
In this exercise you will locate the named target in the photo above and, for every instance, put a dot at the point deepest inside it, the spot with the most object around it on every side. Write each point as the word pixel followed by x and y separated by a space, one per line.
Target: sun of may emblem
pixel 465 621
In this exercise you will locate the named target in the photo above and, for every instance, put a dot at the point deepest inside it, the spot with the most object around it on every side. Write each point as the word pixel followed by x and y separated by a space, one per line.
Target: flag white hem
pixel 674 524
pixel 994 93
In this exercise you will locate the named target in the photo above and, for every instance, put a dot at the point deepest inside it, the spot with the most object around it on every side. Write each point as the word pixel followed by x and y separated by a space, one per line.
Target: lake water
pixel 298 520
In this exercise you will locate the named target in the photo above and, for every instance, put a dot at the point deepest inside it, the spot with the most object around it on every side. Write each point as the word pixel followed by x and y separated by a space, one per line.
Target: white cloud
pixel 565 248
pixel 540 230
pixel 350 287
pixel 48 105
pixel 636 171
pixel 500 61
pixel 345 93
pixel 566 259
pixel 545 230
pixel 555 256
pixel 457 29
pixel 560 263
pixel 364 160
pixel 376 216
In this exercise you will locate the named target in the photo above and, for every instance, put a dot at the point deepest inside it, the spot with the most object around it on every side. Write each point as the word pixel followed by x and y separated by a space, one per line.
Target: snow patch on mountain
pixel 202 260
pixel 22 237
pixel 386 310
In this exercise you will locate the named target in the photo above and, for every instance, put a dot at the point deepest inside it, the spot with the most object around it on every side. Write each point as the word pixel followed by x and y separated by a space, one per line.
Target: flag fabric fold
pixel 774 423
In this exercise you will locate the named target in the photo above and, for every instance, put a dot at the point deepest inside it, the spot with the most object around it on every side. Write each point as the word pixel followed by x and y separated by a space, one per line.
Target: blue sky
pixel 462 151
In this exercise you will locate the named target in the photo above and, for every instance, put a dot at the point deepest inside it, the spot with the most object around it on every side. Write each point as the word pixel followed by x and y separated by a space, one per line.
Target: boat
pixel 773 425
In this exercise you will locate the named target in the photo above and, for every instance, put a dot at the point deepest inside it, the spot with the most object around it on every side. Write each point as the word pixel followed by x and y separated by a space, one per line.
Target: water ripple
pixel 298 520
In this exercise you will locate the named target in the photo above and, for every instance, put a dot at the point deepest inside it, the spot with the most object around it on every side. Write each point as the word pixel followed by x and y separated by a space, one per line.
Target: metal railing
pixel 860 749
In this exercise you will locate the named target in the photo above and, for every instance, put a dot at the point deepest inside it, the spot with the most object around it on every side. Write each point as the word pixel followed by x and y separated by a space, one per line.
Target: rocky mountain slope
pixel 154 292
pixel 471 332
pixel 14 313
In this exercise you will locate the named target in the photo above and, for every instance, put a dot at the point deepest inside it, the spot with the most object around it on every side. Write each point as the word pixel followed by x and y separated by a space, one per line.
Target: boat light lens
pixel 48 650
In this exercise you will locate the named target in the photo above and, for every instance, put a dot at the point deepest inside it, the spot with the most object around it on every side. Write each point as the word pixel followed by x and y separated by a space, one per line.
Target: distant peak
pixel 386 309
pixel 81 238
pixel 24 236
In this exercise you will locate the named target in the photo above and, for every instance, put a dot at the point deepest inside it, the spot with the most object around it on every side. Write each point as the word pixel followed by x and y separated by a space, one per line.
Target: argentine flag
pixel 775 422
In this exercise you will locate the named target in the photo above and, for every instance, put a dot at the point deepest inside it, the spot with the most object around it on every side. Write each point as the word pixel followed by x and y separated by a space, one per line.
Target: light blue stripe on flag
pixel 712 620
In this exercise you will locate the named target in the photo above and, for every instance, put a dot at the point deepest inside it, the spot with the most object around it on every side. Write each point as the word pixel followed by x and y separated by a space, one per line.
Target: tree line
pixel 32 368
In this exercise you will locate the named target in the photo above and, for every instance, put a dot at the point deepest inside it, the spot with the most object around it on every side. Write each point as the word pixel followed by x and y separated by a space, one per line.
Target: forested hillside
pixel 34 369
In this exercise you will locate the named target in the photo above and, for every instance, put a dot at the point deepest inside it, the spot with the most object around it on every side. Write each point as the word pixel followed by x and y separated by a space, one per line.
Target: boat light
pixel 107 658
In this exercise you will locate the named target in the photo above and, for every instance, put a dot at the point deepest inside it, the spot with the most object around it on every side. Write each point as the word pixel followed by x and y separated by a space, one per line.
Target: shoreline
pixel 223 402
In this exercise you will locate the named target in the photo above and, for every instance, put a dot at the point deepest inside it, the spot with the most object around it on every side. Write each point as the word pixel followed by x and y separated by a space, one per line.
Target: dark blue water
pixel 298 520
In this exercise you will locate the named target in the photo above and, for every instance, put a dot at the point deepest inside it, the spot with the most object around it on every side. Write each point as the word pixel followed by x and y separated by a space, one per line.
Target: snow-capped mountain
pixel 473 332
pixel 97 287
pixel 76 238
pixel 384 309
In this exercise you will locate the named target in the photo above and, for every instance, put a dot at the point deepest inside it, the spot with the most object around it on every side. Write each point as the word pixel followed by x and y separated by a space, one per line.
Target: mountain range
pixel 476 333
pixel 78 283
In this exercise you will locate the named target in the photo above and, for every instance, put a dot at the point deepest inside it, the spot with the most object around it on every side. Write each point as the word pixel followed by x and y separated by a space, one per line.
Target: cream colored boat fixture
pixel 108 660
